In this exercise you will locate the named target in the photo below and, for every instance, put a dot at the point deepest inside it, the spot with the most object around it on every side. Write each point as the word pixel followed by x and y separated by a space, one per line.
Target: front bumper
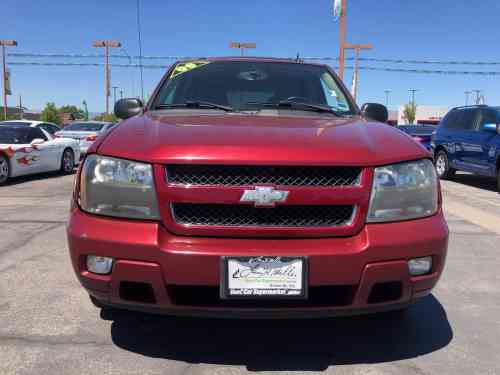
pixel 183 273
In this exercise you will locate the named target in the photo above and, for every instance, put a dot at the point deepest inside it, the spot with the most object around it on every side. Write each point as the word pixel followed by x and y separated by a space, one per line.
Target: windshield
pixel 84 127
pixel 250 85
pixel 14 135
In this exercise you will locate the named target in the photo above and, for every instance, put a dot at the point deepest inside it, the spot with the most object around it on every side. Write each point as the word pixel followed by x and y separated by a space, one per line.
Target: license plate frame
pixel 225 291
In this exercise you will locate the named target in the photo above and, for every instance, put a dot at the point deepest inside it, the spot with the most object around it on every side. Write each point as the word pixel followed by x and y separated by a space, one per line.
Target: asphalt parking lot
pixel 49 326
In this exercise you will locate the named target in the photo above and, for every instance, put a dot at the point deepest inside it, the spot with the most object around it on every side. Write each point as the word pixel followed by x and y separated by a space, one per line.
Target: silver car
pixel 85 132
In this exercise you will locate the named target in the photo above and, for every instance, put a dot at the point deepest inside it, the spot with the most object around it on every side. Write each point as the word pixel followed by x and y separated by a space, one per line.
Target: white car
pixel 85 132
pixel 27 148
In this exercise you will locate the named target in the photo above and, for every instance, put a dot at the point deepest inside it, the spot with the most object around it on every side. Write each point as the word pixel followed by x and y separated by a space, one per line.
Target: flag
pixel 354 87
pixel 337 9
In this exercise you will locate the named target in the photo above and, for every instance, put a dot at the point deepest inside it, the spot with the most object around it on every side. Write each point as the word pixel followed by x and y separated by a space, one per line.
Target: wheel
pixel 443 166
pixel 67 161
pixel 4 169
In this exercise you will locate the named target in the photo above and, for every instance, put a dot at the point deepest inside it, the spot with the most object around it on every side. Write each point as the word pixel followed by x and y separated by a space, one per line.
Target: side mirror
pixel 493 128
pixel 375 112
pixel 125 108
pixel 37 141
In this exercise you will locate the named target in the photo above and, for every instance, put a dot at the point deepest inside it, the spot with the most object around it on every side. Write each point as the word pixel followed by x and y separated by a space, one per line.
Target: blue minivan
pixel 468 139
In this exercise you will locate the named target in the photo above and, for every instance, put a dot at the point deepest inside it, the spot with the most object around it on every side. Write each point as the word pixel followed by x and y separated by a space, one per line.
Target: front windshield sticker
pixel 186 67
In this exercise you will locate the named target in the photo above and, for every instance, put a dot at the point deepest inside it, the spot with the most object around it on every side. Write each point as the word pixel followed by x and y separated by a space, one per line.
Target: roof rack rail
pixel 471 106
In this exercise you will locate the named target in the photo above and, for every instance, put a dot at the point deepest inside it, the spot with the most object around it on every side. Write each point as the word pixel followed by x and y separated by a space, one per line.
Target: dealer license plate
pixel 264 277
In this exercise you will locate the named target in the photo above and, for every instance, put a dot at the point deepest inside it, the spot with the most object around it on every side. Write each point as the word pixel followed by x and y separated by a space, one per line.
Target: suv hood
pixel 235 138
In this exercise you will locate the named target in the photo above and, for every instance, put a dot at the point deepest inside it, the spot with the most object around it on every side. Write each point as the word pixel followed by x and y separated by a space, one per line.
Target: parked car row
pixel 421 133
pixel 30 147
pixel 468 139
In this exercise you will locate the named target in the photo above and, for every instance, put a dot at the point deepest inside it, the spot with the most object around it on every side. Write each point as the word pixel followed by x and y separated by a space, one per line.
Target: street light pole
pixel 4 43
pixel 467 93
pixel 387 92
pixel 107 44
pixel 114 94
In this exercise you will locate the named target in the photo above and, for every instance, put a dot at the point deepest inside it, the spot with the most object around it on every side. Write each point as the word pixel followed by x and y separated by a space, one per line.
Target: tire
pixel 101 305
pixel 96 302
pixel 498 180
pixel 4 169
pixel 67 161
pixel 443 166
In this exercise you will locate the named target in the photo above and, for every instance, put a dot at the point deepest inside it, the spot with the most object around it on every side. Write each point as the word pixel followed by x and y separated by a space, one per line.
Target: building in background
pixel 426 114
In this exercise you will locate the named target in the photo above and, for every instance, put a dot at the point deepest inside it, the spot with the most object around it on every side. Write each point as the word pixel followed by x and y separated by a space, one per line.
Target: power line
pixel 326 58
pixel 402 61
pixel 370 68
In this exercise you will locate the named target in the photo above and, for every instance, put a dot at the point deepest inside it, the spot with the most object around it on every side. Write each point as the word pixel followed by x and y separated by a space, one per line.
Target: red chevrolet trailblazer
pixel 253 187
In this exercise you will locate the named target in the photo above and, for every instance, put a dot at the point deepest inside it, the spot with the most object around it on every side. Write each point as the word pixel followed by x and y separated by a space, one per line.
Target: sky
pixel 444 30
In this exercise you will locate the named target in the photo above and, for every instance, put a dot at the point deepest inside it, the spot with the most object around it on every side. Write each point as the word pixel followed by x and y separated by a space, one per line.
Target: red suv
pixel 256 188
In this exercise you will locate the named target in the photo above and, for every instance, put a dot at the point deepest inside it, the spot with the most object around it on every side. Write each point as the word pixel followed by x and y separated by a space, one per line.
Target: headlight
pixel 404 191
pixel 117 187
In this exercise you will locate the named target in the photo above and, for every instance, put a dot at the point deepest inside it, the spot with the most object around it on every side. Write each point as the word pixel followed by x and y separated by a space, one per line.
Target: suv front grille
pixel 254 175
pixel 230 215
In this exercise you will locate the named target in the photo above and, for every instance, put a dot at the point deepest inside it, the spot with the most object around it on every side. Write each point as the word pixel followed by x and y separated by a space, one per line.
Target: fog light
pixel 420 266
pixel 100 265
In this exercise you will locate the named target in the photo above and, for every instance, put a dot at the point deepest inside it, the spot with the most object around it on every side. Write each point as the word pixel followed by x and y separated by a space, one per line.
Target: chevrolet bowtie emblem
pixel 264 196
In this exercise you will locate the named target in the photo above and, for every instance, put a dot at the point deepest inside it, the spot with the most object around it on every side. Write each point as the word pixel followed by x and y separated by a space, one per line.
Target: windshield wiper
pixel 299 105
pixel 196 104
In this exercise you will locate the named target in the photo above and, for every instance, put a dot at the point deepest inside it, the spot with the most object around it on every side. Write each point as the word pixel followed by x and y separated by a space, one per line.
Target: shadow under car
pixel 307 345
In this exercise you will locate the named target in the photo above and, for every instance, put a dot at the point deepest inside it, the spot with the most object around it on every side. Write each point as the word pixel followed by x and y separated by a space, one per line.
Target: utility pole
pixel 107 44
pixel 357 48
pixel 139 38
pixel 342 33
pixel 387 92
pixel 4 43
pixel 242 46
pixel 114 94
pixel 467 93
pixel 413 91
pixel 21 114
pixel 478 96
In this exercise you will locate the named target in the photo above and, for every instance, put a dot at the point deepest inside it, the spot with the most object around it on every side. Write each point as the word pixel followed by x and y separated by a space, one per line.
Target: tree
pixel 106 117
pixel 73 110
pixel 410 112
pixel 50 114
